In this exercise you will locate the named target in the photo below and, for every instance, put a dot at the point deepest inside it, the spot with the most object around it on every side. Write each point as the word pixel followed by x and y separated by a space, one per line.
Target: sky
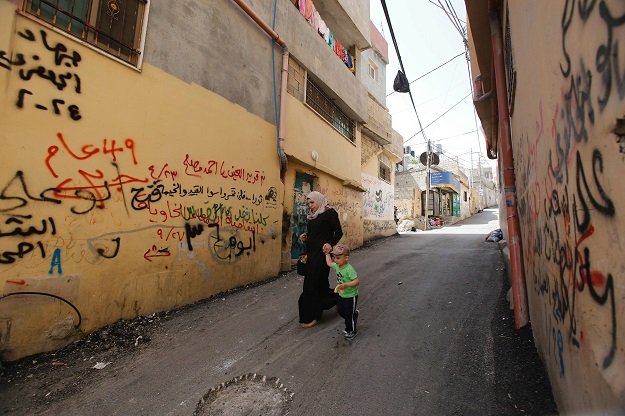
pixel 427 38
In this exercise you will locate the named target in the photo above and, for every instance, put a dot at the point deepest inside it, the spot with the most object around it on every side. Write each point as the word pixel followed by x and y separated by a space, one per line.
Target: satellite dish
pixel 434 159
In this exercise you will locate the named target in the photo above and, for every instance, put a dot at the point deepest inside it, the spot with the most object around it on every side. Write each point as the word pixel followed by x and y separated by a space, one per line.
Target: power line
pixel 436 119
pixel 462 30
pixel 401 64
pixel 453 137
pixel 430 71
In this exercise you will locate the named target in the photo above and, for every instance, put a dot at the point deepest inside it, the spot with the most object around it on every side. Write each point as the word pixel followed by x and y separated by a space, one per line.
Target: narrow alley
pixel 436 337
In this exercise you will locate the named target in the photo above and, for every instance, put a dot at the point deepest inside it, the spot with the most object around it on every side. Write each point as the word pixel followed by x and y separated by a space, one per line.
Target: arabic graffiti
pixel 93 185
pixel 12 199
pixel 217 168
pixel 144 197
pixel 102 252
pixel 25 247
pixel 569 204
pixel 61 74
pixel 224 247
pixel 156 252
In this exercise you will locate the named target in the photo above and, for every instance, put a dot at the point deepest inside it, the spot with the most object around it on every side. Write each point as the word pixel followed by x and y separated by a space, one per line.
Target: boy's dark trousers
pixel 347 309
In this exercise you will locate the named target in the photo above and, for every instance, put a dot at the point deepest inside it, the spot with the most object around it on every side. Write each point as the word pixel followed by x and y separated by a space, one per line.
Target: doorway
pixel 303 186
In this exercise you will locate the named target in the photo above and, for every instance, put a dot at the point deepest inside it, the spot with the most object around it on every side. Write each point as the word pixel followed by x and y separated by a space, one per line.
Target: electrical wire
pixel 461 28
pixel 436 119
pixel 401 64
pixel 430 71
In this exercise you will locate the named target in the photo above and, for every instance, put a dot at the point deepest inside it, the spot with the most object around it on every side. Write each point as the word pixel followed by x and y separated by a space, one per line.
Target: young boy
pixel 347 287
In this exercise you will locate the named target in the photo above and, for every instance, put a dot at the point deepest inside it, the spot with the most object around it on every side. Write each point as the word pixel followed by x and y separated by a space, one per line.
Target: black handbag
pixel 302 265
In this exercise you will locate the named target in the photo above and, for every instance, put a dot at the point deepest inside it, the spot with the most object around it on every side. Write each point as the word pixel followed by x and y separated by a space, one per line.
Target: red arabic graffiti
pixel 214 167
pixel 92 185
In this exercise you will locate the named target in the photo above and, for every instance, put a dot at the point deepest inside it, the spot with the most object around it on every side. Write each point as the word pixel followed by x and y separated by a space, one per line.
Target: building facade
pixel 381 145
pixel 150 162
pixel 550 94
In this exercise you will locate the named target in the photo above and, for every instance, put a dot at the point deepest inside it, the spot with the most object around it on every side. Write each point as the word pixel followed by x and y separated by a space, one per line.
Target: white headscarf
pixel 322 203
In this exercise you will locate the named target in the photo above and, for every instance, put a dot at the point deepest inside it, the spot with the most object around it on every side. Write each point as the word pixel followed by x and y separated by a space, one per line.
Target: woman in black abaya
pixel 323 231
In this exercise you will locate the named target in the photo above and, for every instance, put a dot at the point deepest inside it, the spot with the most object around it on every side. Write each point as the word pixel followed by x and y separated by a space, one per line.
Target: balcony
pixel 349 20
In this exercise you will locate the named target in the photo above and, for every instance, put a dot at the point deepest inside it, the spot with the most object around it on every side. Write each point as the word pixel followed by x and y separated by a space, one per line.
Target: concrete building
pixel 450 193
pixel 550 93
pixel 149 161
pixel 381 145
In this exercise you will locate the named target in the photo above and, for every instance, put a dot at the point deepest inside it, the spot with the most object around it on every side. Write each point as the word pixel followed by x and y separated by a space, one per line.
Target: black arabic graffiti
pixel 60 79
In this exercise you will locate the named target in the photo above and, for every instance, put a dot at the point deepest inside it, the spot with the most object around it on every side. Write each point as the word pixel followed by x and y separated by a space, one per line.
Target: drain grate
pixel 250 394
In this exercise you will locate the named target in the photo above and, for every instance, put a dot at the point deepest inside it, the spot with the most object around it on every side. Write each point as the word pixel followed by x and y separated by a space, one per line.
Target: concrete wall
pixel 377 86
pixel 408 188
pixel 184 38
pixel 160 194
pixel 569 164
pixel 378 200
pixel 140 191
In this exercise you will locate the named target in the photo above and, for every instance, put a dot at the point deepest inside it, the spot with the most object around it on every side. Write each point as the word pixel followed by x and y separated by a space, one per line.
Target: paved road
pixel 425 345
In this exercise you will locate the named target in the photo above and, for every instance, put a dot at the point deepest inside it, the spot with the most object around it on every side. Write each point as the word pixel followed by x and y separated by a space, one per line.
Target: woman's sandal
pixel 310 324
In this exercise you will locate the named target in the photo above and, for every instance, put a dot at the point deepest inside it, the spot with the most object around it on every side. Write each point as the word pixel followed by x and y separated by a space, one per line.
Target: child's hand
pixel 327 248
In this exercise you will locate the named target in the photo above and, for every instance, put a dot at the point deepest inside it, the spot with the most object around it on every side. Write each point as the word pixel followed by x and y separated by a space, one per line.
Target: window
pixel 464 194
pixel 326 108
pixel 113 26
pixel 373 70
pixel 385 173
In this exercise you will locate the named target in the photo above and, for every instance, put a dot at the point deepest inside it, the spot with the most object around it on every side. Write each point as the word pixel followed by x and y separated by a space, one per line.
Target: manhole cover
pixel 251 394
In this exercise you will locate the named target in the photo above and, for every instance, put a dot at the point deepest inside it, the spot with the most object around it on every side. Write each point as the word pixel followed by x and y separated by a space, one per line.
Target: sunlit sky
pixel 427 38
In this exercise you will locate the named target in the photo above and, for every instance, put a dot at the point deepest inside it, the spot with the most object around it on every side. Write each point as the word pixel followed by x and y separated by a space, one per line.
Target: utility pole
pixel 479 162
pixel 471 181
pixel 427 189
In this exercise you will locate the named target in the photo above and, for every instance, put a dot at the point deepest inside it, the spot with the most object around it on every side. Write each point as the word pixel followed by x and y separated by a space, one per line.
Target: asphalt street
pixel 425 344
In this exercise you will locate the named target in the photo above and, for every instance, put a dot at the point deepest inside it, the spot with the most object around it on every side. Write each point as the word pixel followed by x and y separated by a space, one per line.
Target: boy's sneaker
pixel 351 335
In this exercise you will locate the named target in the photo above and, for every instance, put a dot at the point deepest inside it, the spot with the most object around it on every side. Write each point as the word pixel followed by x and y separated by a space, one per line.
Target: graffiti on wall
pixel 56 64
pixel 378 200
pixel 104 179
pixel 569 214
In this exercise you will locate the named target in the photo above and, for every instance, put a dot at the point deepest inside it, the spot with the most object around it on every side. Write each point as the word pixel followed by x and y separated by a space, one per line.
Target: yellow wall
pixel 346 201
pixel 306 132
pixel 569 174
pixel 165 192
pixel 336 170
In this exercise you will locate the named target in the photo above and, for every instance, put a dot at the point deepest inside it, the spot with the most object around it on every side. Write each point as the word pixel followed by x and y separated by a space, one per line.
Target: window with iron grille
pixel 113 26
pixel 385 173
pixel 325 107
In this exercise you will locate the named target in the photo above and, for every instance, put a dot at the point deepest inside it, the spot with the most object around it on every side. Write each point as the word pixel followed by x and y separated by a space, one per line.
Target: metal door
pixel 456 205
pixel 303 186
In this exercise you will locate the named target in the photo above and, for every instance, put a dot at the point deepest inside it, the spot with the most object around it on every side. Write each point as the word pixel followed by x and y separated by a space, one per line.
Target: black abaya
pixel 317 294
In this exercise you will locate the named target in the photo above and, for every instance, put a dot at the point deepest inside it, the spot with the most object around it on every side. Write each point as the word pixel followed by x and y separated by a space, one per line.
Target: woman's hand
pixel 303 236
pixel 326 248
